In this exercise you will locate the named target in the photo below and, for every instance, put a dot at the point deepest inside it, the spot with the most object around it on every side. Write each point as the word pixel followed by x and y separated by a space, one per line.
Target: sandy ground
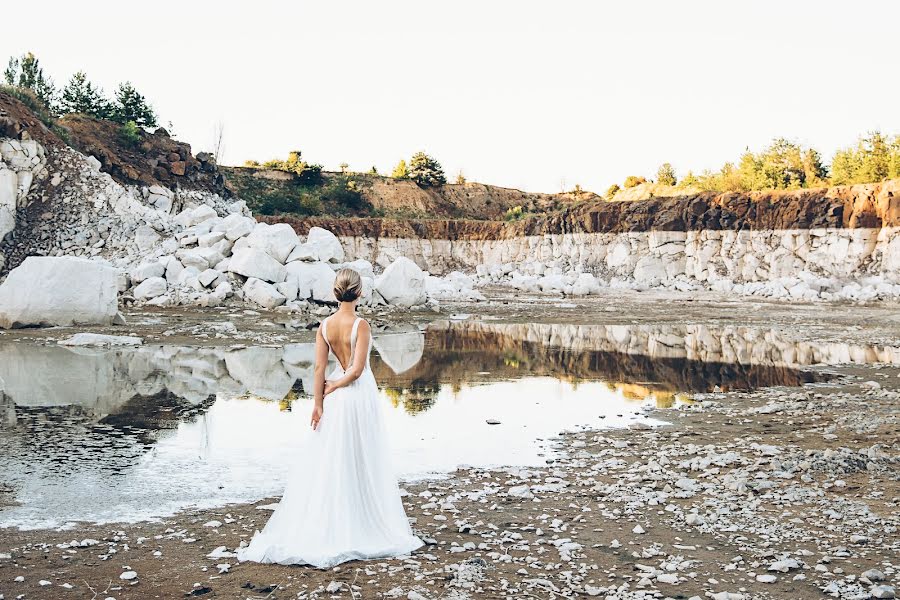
pixel 774 493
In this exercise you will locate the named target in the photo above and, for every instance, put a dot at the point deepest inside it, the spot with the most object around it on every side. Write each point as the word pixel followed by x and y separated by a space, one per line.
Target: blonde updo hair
pixel 347 285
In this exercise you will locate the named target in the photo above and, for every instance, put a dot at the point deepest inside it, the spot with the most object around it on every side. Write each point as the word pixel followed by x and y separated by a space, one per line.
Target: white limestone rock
pixel 96 339
pixel 63 290
pixel 147 270
pixel 146 238
pixel 313 280
pixel 402 283
pixel 253 262
pixel 262 293
pixel 325 244
pixel 275 240
pixel 238 226
pixel 151 288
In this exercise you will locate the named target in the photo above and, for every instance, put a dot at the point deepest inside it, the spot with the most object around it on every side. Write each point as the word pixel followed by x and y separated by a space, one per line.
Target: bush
pixel 425 170
pixel 514 214
pixel 665 175
pixel 634 181
pixel 344 193
pixel 400 171
pixel 130 134
pixel 612 191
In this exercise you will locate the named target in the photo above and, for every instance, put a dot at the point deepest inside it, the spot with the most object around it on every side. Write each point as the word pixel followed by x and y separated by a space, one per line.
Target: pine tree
pixel 132 106
pixel 81 96
pixel 425 170
pixel 26 72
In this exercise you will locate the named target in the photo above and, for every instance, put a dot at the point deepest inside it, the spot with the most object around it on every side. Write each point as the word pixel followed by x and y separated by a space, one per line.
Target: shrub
pixel 514 214
pixel 400 171
pixel 130 134
pixel 612 191
pixel 665 175
pixel 634 181
pixel 343 192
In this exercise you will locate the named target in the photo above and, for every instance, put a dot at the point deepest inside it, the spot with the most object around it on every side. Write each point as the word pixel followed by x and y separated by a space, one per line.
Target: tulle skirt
pixel 341 501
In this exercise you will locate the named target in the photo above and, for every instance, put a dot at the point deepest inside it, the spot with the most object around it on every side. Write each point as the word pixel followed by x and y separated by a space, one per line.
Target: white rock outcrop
pixel 402 283
pixel 326 245
pixel 313 280
pixel 253 262
pixel 59 291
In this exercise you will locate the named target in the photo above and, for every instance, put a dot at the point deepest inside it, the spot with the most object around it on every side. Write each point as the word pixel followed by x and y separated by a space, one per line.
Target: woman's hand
pixel 329 387
pixel 316 417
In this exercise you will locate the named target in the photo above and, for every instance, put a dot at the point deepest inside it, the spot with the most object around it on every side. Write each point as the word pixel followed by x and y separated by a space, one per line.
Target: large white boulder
pixel 325 244
pixel 253 262
pixel 314 280
pixel 237 226
pixel 275 240
pixel 151 288
pixel 8 187
pixel 147 270
pixel 62 290
pixel 264 294
pixel 402 283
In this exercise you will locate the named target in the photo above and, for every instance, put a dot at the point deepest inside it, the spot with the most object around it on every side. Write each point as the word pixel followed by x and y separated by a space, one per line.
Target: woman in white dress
pixel 342 502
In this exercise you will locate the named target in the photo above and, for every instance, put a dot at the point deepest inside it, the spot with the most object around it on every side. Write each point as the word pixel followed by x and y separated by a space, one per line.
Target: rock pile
pixel 182 247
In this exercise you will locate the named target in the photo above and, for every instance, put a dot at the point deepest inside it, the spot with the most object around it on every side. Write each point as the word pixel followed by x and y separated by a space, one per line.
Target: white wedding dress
pixel 342 501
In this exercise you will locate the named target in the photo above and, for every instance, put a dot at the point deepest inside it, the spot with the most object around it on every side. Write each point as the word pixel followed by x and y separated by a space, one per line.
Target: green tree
pixel 131 106
pixel 460 178
pixel 634 181
pixel 343 167
pixel 400 171
pixel 81 96
pixel 665 175
pixel 425 170
pixel 26 72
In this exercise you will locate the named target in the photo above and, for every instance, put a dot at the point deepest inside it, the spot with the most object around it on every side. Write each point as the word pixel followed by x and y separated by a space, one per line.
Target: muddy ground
pixel 773 493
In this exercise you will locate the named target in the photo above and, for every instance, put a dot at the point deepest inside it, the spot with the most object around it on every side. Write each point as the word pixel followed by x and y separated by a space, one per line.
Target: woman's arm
pixel 359 359
pixel 319 378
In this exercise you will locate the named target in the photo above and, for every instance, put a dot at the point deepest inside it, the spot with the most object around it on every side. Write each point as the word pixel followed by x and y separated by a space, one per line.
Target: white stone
pixel 151 288
pixel 59 291
pixel 402 283
pixel 96 339
pixel 252 262
pixel 208 239
pixel 314 280
pixel 208 277
pixel 288 289
pixel 146 271
pixel 7 201
pixel 238 226
pixel 146 238
pixel 325 244
pixel 276 240
pixel 262 293
pixel 128 575
pixel 303 252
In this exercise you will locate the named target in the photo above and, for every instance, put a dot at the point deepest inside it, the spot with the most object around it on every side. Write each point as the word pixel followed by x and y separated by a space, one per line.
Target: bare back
pixel 337 333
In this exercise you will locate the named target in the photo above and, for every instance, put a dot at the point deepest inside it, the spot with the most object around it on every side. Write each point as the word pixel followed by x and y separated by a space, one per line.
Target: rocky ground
pixel 774 493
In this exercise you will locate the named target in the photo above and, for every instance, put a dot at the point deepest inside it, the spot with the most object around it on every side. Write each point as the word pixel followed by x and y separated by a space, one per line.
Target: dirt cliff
pixel 859 206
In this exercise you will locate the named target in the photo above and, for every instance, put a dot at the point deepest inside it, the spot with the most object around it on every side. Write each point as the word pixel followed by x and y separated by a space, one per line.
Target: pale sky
pixel 516 93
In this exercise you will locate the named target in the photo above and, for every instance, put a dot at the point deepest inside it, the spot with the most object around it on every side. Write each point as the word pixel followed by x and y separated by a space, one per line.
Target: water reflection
pixel 139 432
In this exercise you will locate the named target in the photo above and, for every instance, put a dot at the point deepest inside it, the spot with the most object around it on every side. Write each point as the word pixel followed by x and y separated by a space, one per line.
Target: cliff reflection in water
pixel 130 433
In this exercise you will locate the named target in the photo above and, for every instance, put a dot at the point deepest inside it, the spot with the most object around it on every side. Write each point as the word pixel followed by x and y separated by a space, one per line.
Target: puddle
pixel 131 434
